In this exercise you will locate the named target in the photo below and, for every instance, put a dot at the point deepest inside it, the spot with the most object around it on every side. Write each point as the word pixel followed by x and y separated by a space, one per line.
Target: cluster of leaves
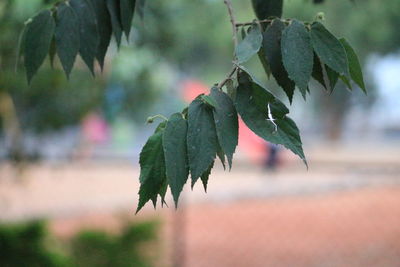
pixel 75 27
pixel 188 142
pixel 30 244
pixel 294 52
pixel 23 244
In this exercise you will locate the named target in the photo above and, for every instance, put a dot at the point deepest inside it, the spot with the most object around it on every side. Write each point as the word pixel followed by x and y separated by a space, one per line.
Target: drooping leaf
pixel 209 100
pixel 20 47
pixel 250 45
pixel 346 81
pixel 67 36
pixel 221 156
pixel 38 36
pixel 89 32
pixel 264 62
pixel 267 8
pixel 226 123
pixel 105 29
pixel 202 139
pixel 152 169
pixel 175 151
pixel 272 50
pixel 297 54
pixel 114 7
pixel 205 176
pixel 329 49
pixel 324 75
pixel 354 65
pixel 254 104
pixel 127 11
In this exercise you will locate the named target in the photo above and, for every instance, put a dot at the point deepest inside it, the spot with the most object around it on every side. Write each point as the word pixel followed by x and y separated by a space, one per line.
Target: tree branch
pixel 228 4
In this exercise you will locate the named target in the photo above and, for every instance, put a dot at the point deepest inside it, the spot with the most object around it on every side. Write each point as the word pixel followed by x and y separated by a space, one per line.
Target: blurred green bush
pixel 30 244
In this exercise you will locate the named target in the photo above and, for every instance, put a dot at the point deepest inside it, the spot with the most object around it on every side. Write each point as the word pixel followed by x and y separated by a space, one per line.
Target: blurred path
pixel 73 189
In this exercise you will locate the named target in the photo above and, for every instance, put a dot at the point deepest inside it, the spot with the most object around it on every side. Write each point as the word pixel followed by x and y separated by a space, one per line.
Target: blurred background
pixel 69 151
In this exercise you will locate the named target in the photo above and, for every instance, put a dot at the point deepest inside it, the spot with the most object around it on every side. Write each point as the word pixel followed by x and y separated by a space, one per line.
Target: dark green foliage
pixel 95 248
pixel 267 8
pixel 250 45
pixel 221 156
pixel 254 103
pixel 188 142
pixel 25 245
pixel 175 151
pixel 201 138
pixel 89 32
pixel 324 75
pixel 38 36
pixel 67 36
pixel 29 245
pixel 226 124
pixel 297 54
pixel 205 176
pixel 105 29
pixel 209 101
pixel 114 8
pixel 354 65
pixel 272 50
pixel 127 10
pixel 329 49
pixel 152 168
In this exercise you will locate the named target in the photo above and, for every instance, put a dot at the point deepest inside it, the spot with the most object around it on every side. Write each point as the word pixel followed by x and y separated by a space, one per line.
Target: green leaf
pixel 205 176
pixel 221 156
pixel 226 123
pixel 20 47
pixel 252 103
pixel 264 62
pixel 175 151
pixel 272 50
pixel 89 32
pixel 267 8
pixel 105 29
pixel 202 139
pixel 324 75
pixel 38 36
pixel 329 49
pixel 250 45
pixel 127 11
pixel 354 65
pixel 67 36
pixel 152 169
pixel 114 8
pixel 231 88
pixel 209 100
pixel 297 54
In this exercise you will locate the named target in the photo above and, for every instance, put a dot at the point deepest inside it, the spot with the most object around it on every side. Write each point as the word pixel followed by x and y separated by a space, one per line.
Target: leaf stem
pixel 228 77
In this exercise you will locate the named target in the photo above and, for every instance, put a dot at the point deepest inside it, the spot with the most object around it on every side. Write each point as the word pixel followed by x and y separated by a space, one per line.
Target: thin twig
pixel 258 21
pixel 228 77
pixel 228 4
